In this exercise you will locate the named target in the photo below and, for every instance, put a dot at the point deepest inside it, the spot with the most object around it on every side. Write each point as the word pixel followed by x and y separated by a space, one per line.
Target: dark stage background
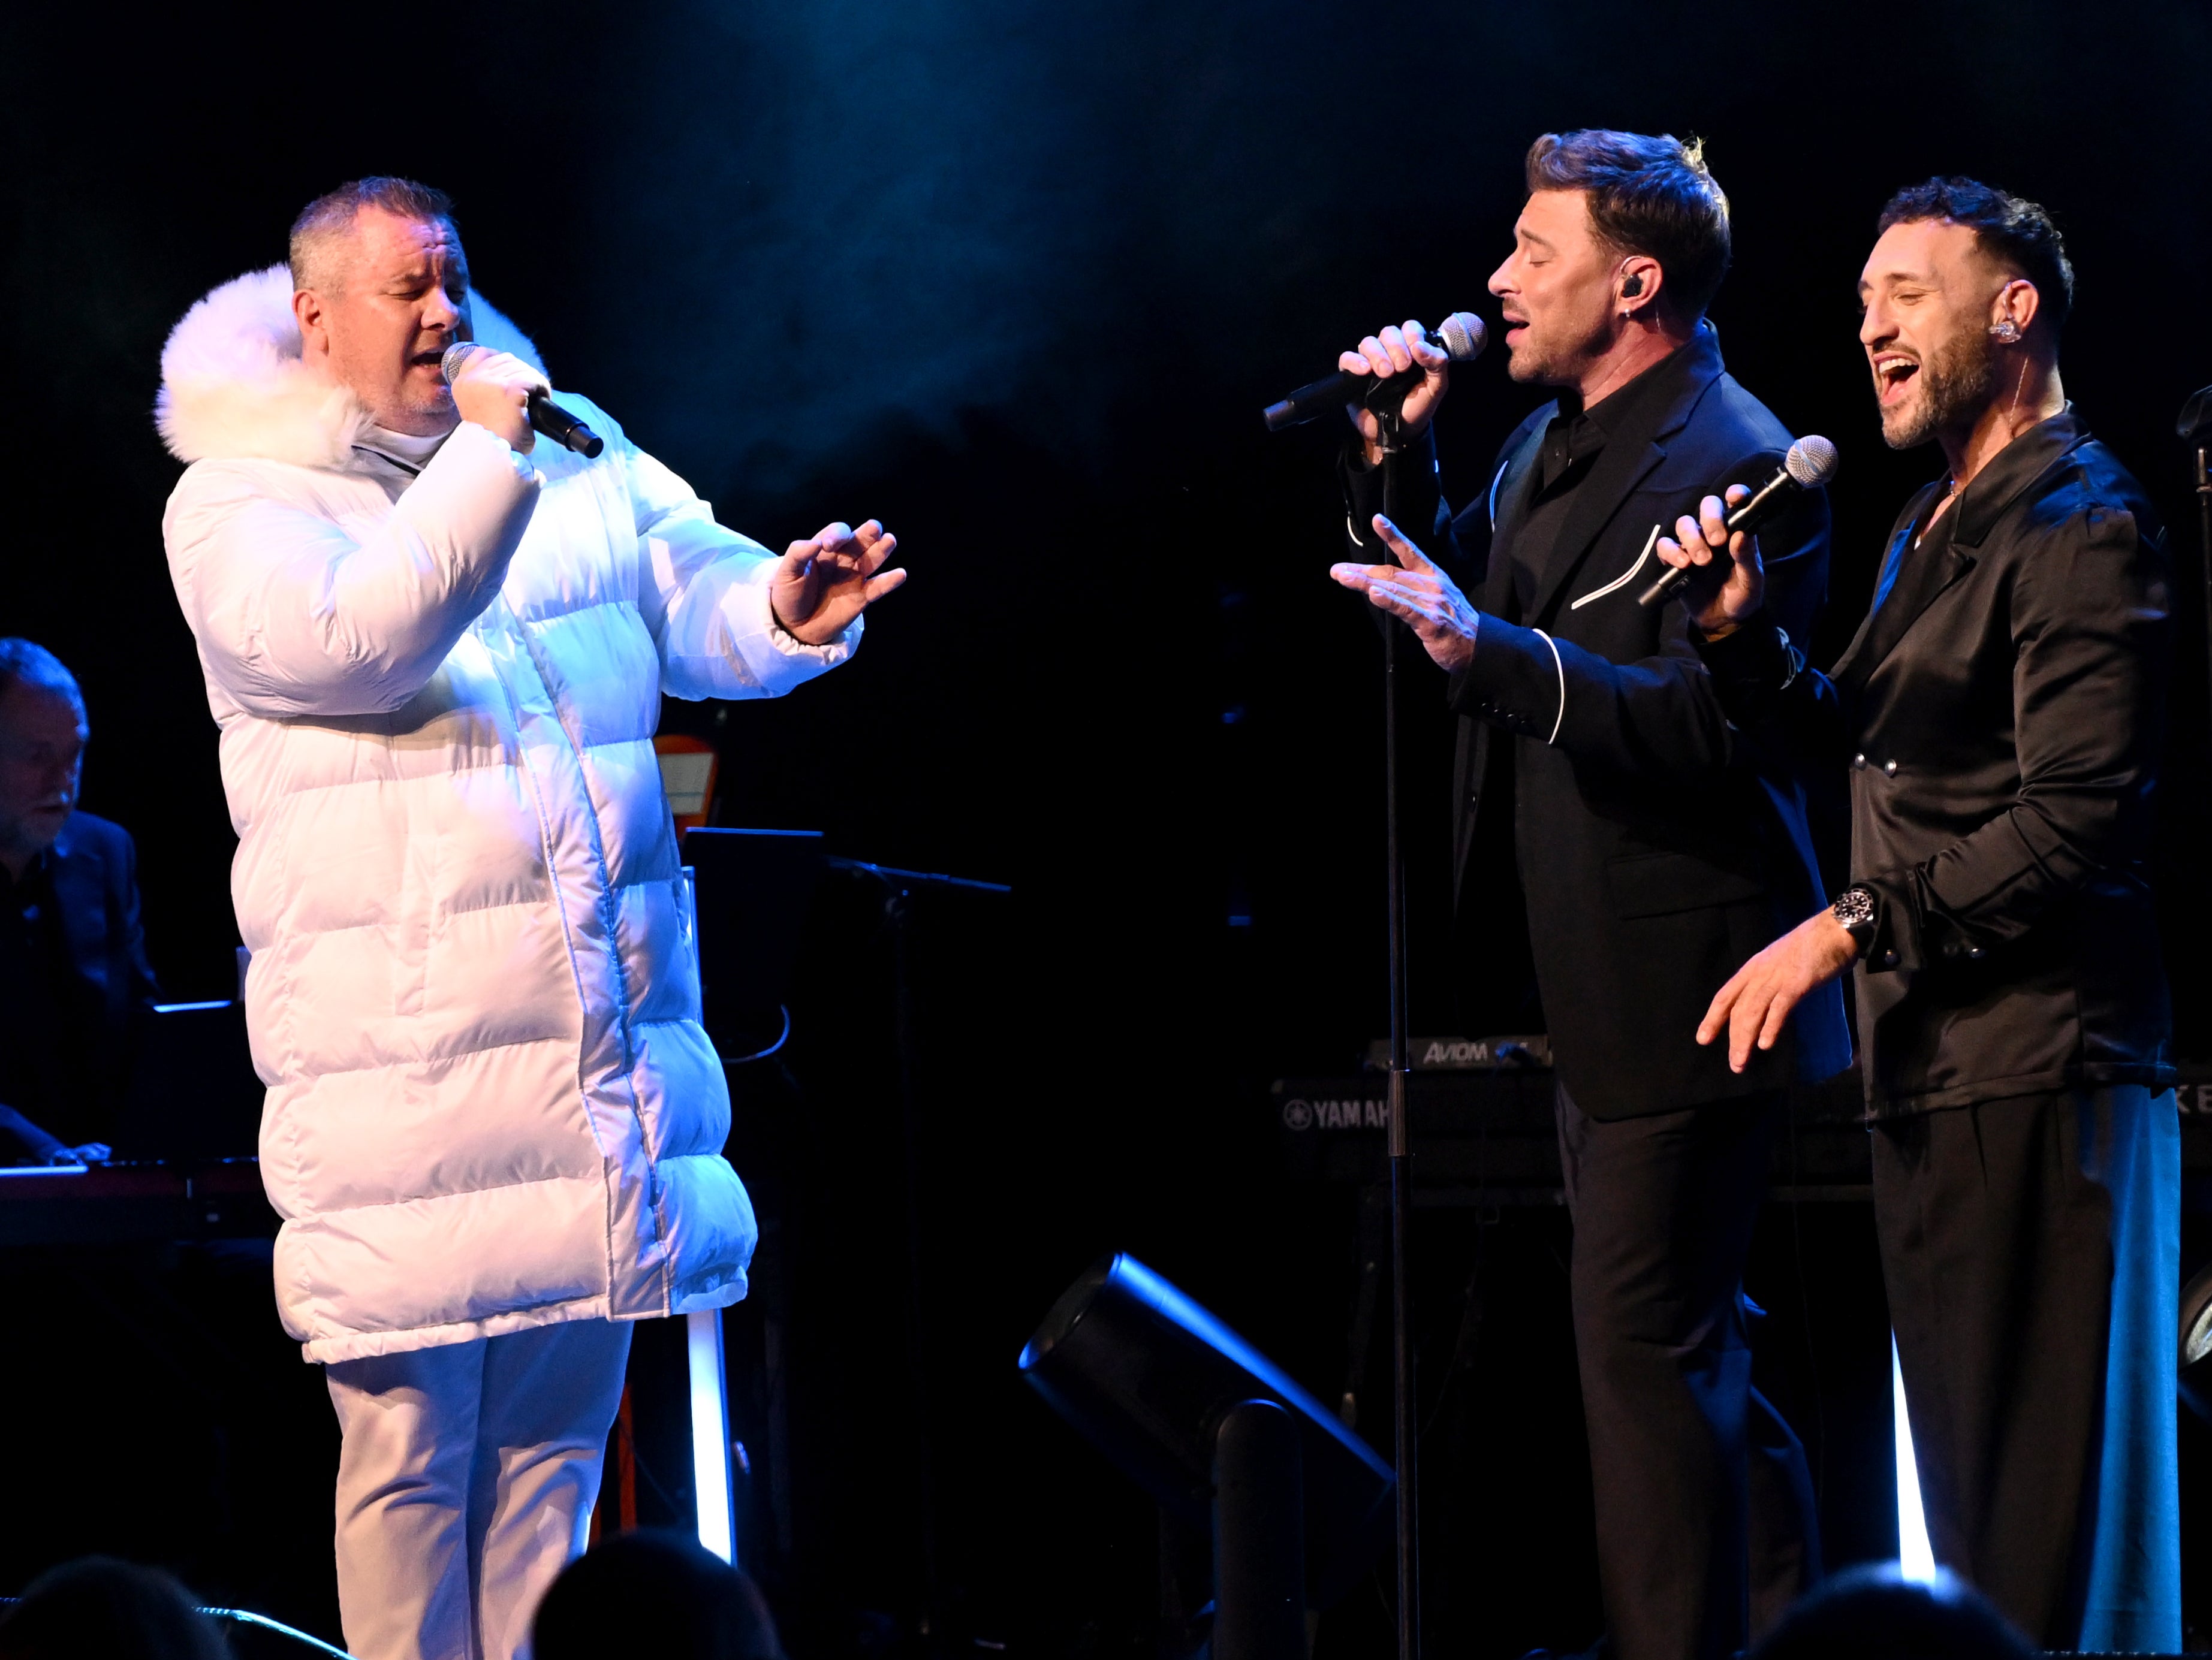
pixel 1018 279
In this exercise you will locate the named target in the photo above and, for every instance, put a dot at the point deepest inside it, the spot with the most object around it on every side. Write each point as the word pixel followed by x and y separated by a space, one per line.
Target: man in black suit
pixel 74 977
pixel 2001 710
pixel 1655 843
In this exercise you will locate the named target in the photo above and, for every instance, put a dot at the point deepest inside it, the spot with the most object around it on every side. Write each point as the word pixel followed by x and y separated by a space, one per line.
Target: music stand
pixel 749 893
pixel 750 890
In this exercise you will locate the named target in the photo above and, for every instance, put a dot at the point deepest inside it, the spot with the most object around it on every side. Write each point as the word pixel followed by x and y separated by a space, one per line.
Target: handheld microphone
pixel 1811 462
pixel 545 416
pixel 1461 335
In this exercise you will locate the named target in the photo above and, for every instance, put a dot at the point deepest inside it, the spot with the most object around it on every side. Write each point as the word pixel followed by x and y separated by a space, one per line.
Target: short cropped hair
pixel 327 220
pixel 26 660
pixel 1648 195
pixel 2018 234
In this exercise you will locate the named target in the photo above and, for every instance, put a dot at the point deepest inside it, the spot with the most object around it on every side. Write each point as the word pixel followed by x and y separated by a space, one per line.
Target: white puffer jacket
pixel 472 994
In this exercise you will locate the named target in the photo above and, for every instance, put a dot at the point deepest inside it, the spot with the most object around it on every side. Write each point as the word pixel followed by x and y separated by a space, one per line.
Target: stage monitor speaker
pixel 1150 1377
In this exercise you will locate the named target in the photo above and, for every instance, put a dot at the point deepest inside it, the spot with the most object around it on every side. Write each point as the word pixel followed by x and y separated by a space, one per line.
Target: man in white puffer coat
pixel 436 653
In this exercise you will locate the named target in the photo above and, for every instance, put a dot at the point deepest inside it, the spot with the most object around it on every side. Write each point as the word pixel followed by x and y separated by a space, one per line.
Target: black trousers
pixel 1701 1490
pixel 1998 1224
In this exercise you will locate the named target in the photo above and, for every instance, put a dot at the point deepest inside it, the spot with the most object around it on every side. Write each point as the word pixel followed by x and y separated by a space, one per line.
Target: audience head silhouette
pixel 1875 1613
pixel 653 1593
pixel 99 1608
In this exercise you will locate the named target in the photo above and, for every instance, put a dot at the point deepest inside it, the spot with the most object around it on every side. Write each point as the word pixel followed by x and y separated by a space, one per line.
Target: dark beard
pixel 1959 382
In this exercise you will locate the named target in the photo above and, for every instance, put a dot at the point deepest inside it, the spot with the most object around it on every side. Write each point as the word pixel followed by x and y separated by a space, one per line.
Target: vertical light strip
pixel 710 1435
pixel 1914 1559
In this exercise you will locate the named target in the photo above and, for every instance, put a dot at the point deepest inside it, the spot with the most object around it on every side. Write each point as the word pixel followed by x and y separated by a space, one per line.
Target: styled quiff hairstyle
pixel 2017 234
pixel 1647 196
pixel 325 223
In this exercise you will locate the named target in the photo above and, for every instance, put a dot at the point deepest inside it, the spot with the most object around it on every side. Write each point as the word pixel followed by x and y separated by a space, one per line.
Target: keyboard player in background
pixel 74 979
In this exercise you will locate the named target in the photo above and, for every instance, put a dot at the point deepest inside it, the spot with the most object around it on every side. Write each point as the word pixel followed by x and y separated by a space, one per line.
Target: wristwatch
pixel 1854 909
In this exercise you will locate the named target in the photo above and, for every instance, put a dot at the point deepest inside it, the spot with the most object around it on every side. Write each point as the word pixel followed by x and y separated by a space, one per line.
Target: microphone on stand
pixel 1461 335
pixel 1811 462
pixel 545 416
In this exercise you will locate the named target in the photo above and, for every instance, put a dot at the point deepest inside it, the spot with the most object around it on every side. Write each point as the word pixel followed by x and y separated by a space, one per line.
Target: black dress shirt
pixel 1573 439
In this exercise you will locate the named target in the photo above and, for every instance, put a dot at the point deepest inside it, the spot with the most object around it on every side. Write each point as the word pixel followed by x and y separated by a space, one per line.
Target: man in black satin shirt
pixel 73 970
pixel 1652 842
pixel 2002 714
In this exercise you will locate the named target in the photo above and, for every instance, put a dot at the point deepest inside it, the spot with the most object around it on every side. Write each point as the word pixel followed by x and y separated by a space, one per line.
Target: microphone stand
pixel 1405 1423
pixel 2205 541
pixel 1386 399
pixel 899 889
pixel 2195 427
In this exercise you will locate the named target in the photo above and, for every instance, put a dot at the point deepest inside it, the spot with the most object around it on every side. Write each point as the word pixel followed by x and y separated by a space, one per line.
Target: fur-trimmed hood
pixel 233 384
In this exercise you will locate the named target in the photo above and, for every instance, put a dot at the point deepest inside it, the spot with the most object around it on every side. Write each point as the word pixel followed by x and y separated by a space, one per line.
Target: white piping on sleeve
pixel 1561 666
pixel 1650 543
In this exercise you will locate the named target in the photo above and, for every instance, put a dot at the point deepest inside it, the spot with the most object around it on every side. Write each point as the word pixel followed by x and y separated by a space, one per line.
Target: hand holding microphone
pixel 1733 526
pixel 1400 372
pixel 1697 545
pixel 1382 357
pixel 502 393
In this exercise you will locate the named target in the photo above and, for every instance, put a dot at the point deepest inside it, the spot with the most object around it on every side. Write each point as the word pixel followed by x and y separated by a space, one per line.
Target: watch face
pixel 1854 909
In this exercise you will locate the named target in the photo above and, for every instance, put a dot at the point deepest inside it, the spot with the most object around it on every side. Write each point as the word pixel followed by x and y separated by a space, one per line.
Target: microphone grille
pixel 1812 461
pixel 1463 336
pixel 456 355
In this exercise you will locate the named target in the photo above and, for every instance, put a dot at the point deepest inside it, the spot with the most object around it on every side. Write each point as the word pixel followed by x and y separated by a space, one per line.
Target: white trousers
pixel 465 1484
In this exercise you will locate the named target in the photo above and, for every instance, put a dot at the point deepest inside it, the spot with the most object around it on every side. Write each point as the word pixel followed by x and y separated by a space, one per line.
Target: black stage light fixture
pixel 2195 1355
pixel 1218 1434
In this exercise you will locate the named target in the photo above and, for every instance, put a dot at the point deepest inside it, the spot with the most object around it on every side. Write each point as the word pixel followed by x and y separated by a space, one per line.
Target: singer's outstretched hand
pixel 1394 351
pixel 822 584
pixel 1415 589
pixel 1753 1006
pixel 1721 595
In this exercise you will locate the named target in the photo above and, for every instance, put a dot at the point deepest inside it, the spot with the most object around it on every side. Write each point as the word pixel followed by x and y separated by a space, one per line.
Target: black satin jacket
pixel 2003 713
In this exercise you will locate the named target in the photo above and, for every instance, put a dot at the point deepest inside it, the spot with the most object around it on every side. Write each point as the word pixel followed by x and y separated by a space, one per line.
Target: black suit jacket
pixel 2003 713
pixel 1659 843
pixel 93 866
